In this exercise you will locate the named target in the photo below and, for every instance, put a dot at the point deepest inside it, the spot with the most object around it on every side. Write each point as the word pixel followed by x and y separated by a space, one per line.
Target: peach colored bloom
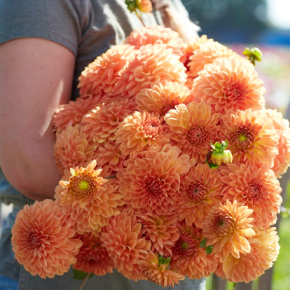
pixel 256 187
pixel 157 35
pixel 122 239
pixel 189 259
pixel 161 230
pixel 162 97
pixel 264 251
pixel 144 5
pixel 43 241
pixel 72 149
pixel 102 74
pixel 199 192
pixel 151 63
pixel 101 123
pixel 93 257
pixel 251 136
pixel 193 127
pixel 228 227
pixel 71 114
pixel 151 182
pixel 229 84
pixel 156 271
pixel 89 199
pixel 282 159
pixel 140 131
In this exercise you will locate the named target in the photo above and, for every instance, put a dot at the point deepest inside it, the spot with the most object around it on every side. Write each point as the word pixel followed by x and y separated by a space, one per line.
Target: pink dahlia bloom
pixel 157 35
pixel 140 131
pixel 264 251
pixel 93 257
pixel 228 228
pixel 102 74
pixel 161 230
pixel 89 199
pixel 282 159
pixel 163 97
pixel 229 84
pixel 150 183
pixel 251 136
pixel 43 241
pixel 199 192
pixel 256 187
pixel 188 258
pixel 72 149
pixel 123 241
pixel 152 63
pixel 193 127
pixel 100 124
pixel 158 272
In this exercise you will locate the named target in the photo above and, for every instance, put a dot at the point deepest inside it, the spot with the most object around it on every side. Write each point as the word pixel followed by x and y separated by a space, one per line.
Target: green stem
pixel 84 281
pixel 138 15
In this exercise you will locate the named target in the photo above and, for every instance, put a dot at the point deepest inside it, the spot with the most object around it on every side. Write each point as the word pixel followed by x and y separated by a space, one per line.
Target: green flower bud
pixel 219 154
pixel 253 54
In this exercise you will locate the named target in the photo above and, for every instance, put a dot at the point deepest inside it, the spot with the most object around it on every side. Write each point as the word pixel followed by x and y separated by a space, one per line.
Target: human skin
pixel 35 78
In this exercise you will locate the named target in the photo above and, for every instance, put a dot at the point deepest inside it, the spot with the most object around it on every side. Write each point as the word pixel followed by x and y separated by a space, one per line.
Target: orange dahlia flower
pixel 72 149
pixel 157 271
pixel 89 201
pixel 157 35
pixel 123 241
pixel 188 258
pixel 151 63
pixel 264 251
pixel 199 191
pixel 162 97
pixel 93 257
pixel 151 183
pixel 140 131
pixel 161 230
pixel 43 241
pixel 102 74
pixel 228 227
pixel 193 127
pixel 71 114
pixel 256 187
pixel 251 136
pixel 229 84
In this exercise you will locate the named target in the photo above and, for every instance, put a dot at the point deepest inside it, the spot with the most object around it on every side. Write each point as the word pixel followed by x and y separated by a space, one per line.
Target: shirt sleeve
pixel 55 20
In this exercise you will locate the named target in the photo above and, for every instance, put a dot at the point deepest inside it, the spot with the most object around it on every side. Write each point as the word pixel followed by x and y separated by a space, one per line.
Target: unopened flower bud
pixel 253 54
pixel 144 5
pixel 219 154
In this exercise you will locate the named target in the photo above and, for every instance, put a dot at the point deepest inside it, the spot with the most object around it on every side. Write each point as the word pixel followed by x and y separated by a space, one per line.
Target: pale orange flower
pixel 264 251
pixel 229 84
pixel 158 272
pixel 102 74
pixel 251 136
pixel 162 97
pixel 72 149
pixel 193 127
pixel 188 258
pixel 150 183
pixel 89 201
pixel 256 187
pixel 161 230
pixel 43 241
pixel 100 124
pixel 144 5
pixel 199 191
pixel 140 131
pixel 122 239
pixel 228 228
pixel 93 257
pixel 157 35
pixel 152 63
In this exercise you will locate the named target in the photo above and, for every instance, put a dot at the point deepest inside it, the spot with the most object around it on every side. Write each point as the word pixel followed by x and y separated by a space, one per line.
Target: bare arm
pixel 35 78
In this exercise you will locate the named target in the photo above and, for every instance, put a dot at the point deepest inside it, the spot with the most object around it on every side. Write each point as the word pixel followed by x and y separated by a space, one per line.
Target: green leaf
pixel 80 275
pixel 203 243
pixel 209 249
pixel 212 165
pixel 234 284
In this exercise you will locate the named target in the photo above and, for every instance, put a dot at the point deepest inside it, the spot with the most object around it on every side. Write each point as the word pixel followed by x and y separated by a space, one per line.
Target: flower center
pixel 152 186
pixel 254 191
pixel 82 186
pixel 223 225
pixel 242 137
pixel 196 191
pixel 233 92
pixel 151 128
pixel 185 246
pixel 35 240
pixel 196 135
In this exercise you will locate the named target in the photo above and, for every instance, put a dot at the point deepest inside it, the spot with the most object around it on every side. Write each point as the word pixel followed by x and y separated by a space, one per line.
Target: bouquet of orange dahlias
pixel 170 164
